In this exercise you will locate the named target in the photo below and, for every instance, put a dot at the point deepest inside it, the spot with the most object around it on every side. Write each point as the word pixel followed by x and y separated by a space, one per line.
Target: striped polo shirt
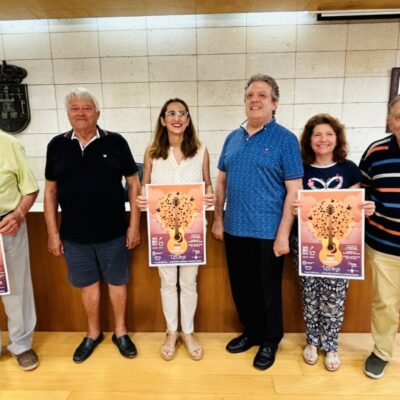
pixel 380 166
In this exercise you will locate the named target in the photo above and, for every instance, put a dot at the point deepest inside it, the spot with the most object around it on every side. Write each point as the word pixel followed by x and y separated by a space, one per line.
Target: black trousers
pixel 256 282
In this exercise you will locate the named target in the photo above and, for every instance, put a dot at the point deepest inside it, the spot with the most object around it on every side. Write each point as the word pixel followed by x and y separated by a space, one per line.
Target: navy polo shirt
pixel 89 185
pixel 256 169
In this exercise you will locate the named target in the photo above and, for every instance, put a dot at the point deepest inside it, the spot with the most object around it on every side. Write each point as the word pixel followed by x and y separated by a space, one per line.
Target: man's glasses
pixel 179 114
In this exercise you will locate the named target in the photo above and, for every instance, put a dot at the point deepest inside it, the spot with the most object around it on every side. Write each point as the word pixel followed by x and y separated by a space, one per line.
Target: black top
pixel 336 176
pixel 89 185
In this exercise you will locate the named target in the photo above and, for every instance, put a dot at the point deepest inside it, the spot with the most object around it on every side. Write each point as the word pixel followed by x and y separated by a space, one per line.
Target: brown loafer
pixel 28 360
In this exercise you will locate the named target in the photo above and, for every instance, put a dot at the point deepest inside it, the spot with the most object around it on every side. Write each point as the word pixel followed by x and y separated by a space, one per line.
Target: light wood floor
pixel 220 375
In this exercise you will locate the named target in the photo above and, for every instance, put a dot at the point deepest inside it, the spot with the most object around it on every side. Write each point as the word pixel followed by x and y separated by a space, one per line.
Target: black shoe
pixel 374 366
pixel 240 344
pixel 85 349
pixel 125 345
pixel 265 357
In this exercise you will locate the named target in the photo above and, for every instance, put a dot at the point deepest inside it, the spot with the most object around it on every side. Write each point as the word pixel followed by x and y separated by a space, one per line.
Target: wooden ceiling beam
pixel 49 9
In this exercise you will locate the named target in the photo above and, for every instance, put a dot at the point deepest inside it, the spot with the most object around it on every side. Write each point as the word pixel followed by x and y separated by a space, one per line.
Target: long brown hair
pixel 160 144
pixel 340 150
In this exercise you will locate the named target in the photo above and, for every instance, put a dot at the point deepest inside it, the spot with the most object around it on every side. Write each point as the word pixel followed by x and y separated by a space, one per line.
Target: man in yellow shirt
pixel 18 191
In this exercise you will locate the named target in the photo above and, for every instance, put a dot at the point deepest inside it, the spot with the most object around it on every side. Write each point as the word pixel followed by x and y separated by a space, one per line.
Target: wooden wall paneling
pixel 216 311
pixel 144 312
pixel 59 306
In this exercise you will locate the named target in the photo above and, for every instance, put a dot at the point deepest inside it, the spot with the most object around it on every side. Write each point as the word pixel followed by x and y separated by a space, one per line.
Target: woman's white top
pixel 168 171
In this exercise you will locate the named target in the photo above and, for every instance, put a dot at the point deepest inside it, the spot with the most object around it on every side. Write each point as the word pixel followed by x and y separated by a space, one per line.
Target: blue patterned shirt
pixel 256 169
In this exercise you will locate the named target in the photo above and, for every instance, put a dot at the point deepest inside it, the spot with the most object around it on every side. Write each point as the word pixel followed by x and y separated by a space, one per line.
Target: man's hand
pixel 10 224
pixel 132 238
pixel 281 245
pixel 217 229
pixel 55 245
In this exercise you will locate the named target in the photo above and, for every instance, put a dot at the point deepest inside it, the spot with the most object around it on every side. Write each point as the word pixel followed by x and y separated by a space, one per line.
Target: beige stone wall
pixel 134 64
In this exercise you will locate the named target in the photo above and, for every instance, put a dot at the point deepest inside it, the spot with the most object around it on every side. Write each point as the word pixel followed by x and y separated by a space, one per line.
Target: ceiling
pixel 49 9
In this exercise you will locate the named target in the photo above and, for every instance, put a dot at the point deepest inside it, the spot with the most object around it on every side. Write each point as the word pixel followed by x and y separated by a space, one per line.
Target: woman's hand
pixel 142 202
pixel 209 200
pixel 368 206
pixel 295 207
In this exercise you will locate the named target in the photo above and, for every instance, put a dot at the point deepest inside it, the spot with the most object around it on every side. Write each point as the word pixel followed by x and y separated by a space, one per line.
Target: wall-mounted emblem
pixel 14 103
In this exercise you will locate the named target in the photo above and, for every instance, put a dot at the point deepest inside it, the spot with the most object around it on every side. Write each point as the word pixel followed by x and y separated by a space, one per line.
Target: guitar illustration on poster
pixel 330 253
pixel 331 233
pixel 177 243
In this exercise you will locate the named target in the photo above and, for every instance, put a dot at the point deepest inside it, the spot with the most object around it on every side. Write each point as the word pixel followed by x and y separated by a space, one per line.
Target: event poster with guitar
pixel 176 224
pixel 331 233
pixel 4 286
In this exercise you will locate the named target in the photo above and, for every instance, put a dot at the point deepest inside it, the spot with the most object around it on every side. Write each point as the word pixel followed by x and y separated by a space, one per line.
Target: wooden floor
pixel 220 375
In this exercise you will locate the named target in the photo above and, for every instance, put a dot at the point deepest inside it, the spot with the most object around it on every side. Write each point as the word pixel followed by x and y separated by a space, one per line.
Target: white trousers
pixel 19 305
pixel 187 296
pixel 385 302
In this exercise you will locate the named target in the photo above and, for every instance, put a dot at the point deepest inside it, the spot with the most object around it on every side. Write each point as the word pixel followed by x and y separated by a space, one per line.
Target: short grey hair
pixel 81 93
pixel 391 104
pixel 267 79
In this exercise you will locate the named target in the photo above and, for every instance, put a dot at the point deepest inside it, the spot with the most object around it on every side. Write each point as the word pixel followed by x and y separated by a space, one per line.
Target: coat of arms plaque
pixel 14 102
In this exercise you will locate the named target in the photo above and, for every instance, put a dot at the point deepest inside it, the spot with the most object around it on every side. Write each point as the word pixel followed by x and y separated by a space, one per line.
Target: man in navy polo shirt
pixel 84 171
pixel 260 173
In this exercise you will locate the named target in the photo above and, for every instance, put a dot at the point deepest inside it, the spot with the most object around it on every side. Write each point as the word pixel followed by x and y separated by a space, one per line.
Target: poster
pixel 331 233
pixel 176 224
pixel 4 285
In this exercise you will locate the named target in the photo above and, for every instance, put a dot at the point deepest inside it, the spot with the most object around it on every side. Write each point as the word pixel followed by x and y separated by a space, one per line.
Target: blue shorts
pixel 90 263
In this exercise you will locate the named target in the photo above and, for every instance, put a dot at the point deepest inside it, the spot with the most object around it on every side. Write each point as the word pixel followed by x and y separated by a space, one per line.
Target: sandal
pixel 192 346
pixel 310 354
pixel 167 350
pixel 332 361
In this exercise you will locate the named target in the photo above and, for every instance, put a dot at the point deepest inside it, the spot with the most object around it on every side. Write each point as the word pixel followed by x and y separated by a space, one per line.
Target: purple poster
pixel 331 233
pixel 4 286
pixel 176 224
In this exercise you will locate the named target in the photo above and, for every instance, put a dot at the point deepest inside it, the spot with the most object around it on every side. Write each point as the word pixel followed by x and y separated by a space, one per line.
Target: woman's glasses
pixel 178 114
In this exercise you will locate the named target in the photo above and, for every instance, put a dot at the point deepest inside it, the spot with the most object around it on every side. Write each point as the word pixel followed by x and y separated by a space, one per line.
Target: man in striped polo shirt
pixel 380 166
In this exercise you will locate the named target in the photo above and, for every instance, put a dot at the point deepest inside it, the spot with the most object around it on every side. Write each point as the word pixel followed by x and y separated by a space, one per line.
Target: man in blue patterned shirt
pixel 260 172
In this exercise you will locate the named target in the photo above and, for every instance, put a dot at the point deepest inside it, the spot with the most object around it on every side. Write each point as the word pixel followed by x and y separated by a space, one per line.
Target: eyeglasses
pixel 179 114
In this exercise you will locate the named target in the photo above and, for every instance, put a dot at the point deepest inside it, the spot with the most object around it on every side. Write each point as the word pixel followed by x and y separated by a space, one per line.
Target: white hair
pixel 81 93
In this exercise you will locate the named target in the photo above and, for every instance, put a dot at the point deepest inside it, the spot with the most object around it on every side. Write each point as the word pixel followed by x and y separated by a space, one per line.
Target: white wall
pixel 134 64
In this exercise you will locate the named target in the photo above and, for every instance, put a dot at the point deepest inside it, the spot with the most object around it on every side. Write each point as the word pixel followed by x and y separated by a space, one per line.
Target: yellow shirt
pixel 16 178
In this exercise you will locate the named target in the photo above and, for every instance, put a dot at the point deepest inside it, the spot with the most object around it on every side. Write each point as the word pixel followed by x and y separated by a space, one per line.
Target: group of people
pixel 261 169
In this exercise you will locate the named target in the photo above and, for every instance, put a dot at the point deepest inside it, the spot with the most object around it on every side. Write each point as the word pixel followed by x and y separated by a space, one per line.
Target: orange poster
pixel 331 233
pixel 176 224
